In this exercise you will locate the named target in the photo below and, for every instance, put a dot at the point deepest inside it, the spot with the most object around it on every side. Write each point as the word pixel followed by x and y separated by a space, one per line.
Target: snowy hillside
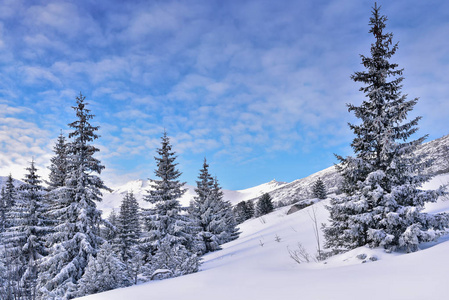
pixel 300 189
pixel 258 266
pixel 3 180
pixel 438 150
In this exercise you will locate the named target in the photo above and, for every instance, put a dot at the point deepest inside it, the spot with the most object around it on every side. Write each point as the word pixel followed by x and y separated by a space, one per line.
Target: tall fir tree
pixel 204 210
pixel 213 215
pixel 10 194
pixel 129 234
pixel 319 189
pixel 204 185
pixel 264 205
pixel 169 233
pixel 2 213
pixel 11 273
pixel 383 203
pixel 25 237
pixel 58 167
pixel 4 282
pixel 228 225
pixel 77 236
pixel 110 230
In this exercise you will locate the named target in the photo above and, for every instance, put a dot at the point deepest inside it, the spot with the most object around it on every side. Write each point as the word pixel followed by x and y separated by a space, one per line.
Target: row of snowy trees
pixel 49 236
pixel 55 244
pixel 246 210
pixel 384 202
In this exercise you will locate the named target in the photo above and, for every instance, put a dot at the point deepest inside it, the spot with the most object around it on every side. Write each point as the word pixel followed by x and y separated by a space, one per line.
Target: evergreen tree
pixel 2 213
pixel 12 272
pixel 213 215
pixel 228 230
pixel 10 193
pixel 251 211
pixel 319 190
pixel 24 238
pixel 170 234
pixel 204 185
pixel 204 210
pixel 264 205
pixel 58 167
pixel 129 234
pixel 77 236
pixel 244 210
pixel 103 273
pixel 239 212
pixel 4 288
pixel 110 230
pixel 384 202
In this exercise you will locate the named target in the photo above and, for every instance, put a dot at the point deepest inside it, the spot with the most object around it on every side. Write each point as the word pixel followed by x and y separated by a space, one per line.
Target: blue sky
pixel 257 87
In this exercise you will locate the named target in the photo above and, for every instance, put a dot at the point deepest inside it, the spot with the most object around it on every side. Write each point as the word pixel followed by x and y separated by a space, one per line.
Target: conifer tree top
pixel 84 116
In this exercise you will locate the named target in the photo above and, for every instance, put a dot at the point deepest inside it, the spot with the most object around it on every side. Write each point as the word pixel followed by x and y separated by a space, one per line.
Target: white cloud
pixel 246 80
pixel 38 75
pixel 21 141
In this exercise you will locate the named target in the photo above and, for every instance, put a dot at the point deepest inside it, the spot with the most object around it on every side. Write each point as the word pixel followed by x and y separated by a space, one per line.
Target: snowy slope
pixel 245 269
pixel 301 189
pixel 437 150
pixel 3 180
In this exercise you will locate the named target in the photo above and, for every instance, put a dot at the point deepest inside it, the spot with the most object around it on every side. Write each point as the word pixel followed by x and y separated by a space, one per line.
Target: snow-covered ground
pixel 258 266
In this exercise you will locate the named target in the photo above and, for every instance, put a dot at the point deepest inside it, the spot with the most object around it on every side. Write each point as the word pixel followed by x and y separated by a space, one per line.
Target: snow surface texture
pixel 258 266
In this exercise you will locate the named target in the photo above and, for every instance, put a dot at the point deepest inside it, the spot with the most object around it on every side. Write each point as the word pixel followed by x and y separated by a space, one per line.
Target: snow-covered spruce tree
pixel 228 229
pixel 264 205
pixel 239 212
pixel 170 235
pixel 213 215
pixel 109 232
pixel 4 288
pixel 2 213
pixel 251 210
pixel 244 210
pixel 103 273
pixel 129 234
pixel 10 194
pixel 58 167
pixel 204 209
pixel 76 236
pixel 383 203
pixel 24 239
pixel 319 189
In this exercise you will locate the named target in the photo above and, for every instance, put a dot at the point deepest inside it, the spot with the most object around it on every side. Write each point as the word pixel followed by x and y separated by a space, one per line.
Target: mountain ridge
pixel 284 192
pixel 299 189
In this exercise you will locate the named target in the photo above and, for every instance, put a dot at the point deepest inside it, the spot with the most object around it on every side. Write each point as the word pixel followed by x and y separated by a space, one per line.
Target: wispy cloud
pixel 21 141
pixel 241 81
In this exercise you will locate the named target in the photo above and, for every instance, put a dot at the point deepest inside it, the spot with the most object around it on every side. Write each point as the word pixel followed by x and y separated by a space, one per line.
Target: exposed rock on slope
pixel 300 189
